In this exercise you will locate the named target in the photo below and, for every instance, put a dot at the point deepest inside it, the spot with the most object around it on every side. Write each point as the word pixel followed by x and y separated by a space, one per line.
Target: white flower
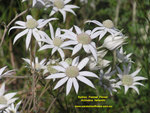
pixel 129 80
pixel 122 57
pixel 104 27
pixel 107 82
pixel 114 42
pixel 7 73
pixel 31 27
pixel 100 63
pixel 70 74
pixel 81 39
pixel 12 108
pixel 61 6
pixel 48 68
pixel 37 65
pixel 7 99
pixel 34 2
pixel 54 43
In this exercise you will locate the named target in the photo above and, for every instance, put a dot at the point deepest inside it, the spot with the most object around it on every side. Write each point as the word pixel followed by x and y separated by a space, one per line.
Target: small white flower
pixel 81 40
pixel 104 27
pixel 61 6
pixel 107 82
pixel 38 65
pixel 7 99
pixel 129 80
pixel 31 27
pixel 122 57
pixel 70 74
pixel 100 63
pixel 55 43
pixel 34 2
pixel 7 73
pixel 114 42
pixel 12 108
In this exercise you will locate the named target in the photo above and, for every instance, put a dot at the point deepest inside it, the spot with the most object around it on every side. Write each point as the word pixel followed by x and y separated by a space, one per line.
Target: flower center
pixel 84 38
pixel 108 23
pixel 3 100
pixel 59 4
pixel 51 70
pixel 31 23
pixel 57 42
pixel 72 71
pixel 127 80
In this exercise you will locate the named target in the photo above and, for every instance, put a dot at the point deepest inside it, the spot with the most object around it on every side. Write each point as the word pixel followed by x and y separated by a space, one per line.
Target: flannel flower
pixel 61 6
pixel 122 57
pixel 34 2
pixel 12 108
pixel 37 65
pixel 100 63
pixel 113 42
pixel 81 40
pixel 7 99
pixel 55 42
pixel 31 27
pixel 104 27
pixel 129 80
pixel 72 73
pixel 6 73
pixel 106 82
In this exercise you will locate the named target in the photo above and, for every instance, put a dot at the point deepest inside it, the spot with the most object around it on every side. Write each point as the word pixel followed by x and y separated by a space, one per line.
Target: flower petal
pixel 28 39
pixel 88 74
pixel 75 84
pixel 76 49
pixel 56 75
pixel 75 61
pixel 83 63
pixel 69 85
pixel 60 82
pixel 59 68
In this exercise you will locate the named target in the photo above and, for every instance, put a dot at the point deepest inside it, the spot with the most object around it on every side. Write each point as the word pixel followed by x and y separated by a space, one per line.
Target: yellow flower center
pixel 37 66
pixel 3 100
pixel 108 23
pixel 31 23
pixel 84 38
pixel 57 41
pixel 72 71
pixel 127 80
pixel 59 4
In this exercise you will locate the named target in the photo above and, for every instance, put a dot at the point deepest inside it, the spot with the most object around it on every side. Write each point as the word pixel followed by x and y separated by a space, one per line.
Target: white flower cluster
pixel 88 57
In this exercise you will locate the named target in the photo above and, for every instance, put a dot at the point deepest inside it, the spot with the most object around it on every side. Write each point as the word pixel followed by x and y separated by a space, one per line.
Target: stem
pixel 114 58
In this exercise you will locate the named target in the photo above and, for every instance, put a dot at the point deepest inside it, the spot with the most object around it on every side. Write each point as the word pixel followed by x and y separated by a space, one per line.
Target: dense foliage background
pixel 132 16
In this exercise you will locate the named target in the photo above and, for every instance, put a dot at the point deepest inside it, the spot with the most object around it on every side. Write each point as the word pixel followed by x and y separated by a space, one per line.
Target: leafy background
pixel 132 16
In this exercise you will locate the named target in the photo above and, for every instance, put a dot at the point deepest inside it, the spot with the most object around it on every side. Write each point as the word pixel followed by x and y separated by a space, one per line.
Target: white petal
pixel 88 74
pixel 135 73
pixel 75 61
pixel 102 34
pixel 9 95
pixel 51 30
pixel 95 22
pixel 139 78
pixel 29 17
pixel 78 30
pixel 53 12
pixel 71 6
pixel 76 49
pixel 64 15
pixel 135 88
pixel 60 82
pixel 20 35
pixel 56 75
pixel 94 35
pixel 62 54
pixel 2 89
pixel 83 63
pixel 42 24
pixel 59 68
pixel 69 85
pixel 86 48
pixel 137 83
pixel 58 32
pixel 126 88
pixel 64 64
pixel 46 47
pixel 93 51
pixel 69 10
pixel 2 69
pixel 85 80
pixel 16 27
pixel 28 38
pixel 75 84
pixel 66 1
pixel 67 43
pixel 21 23
pixel 119 70
pixel 36 35
pixel 54 50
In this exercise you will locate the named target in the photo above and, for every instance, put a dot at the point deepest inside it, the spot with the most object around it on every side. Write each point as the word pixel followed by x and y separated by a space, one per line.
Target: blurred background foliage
pixel 131 16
